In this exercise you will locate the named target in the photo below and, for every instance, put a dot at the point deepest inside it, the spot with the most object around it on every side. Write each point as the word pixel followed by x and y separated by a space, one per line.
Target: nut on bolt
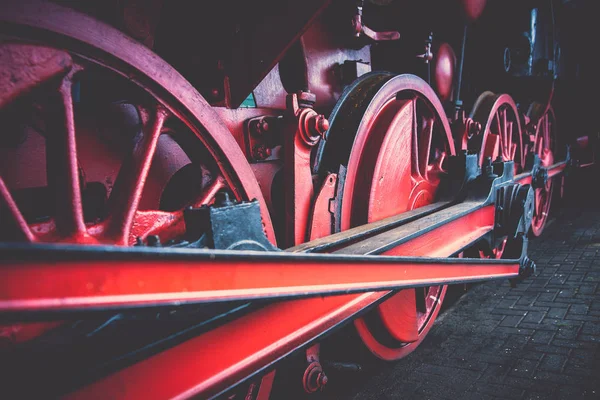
pixel 321 125
pixel 474 128
pixel 314 378
pixel 260 126
pixel 261 152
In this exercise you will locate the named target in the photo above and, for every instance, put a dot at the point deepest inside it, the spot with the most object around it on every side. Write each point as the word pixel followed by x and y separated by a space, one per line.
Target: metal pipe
pixel 461 61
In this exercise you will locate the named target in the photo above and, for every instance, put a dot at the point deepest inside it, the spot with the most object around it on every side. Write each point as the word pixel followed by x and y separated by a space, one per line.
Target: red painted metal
pixel 385 108
pixel 244 346
pixel 314 378
pixel 266 384
pixel 393 167
pixel 325 51
pixel 30 67
pixel 32 285
pixel 472 9
pixel 25 67
pixel 321 223
pixel 189 106
pixel 236 122
pixel 444 62
pixel 128 189
pixel 406 323
pixel 500 135
pixel 24 230
pixel 300 139
pixel 361 29
pixel 544 145
pixel 236 350
pixel 394 157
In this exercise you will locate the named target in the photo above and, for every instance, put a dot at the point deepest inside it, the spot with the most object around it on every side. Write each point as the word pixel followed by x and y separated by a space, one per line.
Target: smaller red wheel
pixel 544 145
pixel 394 164
pixel 500 135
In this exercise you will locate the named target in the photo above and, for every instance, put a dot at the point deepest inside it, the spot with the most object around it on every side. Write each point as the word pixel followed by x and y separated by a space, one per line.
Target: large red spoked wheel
pixel 544 145
pixel 103 141
pixel 104 133
pixel 500 135
pixel 395 165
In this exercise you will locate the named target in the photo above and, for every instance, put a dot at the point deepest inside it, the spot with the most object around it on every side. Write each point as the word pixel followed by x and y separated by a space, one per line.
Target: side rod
pixel 43 278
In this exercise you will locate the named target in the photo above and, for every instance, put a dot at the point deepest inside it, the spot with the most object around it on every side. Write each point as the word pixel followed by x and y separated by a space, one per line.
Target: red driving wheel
pixel 544 145
pixel 500 135
pixel 395 165
pixel 63 144
pixel 104 141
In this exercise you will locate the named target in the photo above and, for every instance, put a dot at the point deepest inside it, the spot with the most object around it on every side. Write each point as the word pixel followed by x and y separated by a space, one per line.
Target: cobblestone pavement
pixel 536 341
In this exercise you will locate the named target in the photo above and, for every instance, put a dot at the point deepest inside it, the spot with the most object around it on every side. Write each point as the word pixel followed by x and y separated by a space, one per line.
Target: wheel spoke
pixel 129 185
pixel 425 147
pixel 512 151
pixel 62 166
pixel 549 143
pixel 512 147
pixel 416 155
pixel 498 126
pixel 537 204
pixel 507 137
pixel 209 193
pixel 18 220
pixel 546 131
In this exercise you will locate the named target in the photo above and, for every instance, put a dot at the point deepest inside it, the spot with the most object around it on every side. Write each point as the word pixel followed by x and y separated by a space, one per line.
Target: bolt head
pixel 261 152
pixel 322 124
pixel 322 379
pixel 264 125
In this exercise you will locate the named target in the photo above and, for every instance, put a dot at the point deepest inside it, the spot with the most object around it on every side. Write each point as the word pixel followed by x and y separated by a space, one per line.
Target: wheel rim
pixel 394 166
pixel 168 100
pixel 501 129
pixel 543 145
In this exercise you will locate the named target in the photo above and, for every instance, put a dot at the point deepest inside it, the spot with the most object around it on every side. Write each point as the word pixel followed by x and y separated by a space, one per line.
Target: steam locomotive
pixel 202 199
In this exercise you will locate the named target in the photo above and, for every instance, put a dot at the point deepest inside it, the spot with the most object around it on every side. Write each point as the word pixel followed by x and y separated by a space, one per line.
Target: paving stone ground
pixel 540 340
